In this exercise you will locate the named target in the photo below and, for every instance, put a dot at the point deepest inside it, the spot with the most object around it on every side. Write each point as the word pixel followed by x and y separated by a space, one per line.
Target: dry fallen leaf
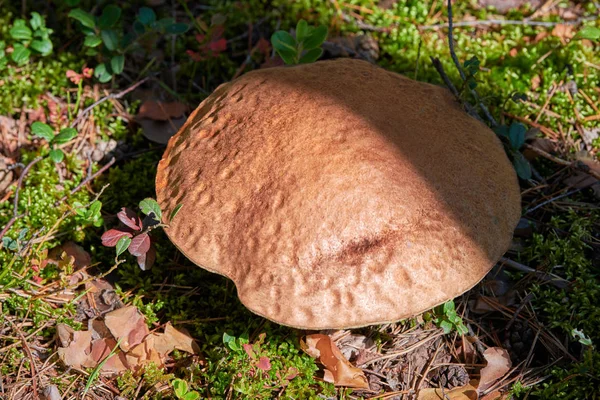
pixel 80 257
pixel 467 392
pixel 496 395
pixel 127 324
pixel 337 369
pixel 145 352
pixel 76 347
pixel 158 111
pixel 498 364
pixel 173 339
pixel 101 348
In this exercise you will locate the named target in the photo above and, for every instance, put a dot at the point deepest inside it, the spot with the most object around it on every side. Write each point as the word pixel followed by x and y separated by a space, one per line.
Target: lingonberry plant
pixel 134 233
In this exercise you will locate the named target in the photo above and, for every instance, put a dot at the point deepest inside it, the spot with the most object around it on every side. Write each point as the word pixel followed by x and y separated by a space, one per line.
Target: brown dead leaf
pixel 496 395
pixel 80 257
pixel 76 347
pixel 337 369
pixel 498 364
pixel 145 352
pixel 467 392
pixel 159 111
pixel 128 325
pixel 543 144
pixel 563 32
pixel 173 339
pixel 535 82
pixel 101 349
pixel 160 131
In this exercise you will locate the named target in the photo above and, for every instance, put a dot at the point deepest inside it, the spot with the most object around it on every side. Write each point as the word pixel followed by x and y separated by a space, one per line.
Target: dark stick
pixel 483 107
pixel 102 100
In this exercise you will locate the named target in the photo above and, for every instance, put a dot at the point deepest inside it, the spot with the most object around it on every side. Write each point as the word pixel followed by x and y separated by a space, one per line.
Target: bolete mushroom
pixel 338 194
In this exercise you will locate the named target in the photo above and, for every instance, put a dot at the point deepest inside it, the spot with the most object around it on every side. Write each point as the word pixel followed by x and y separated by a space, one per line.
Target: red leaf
pixel 218 46
pixel 112 236
pixel 146 260
pixel 264 363
pixel 130 219
pixel 139 245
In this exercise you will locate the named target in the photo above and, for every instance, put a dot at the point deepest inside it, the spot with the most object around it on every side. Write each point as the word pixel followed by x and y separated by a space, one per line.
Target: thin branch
pixel 109 97
pixel 16 214
pixel 491 22
pixel 575 164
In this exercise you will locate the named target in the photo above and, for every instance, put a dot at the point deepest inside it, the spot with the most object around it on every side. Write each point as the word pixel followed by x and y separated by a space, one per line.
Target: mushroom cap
pixel 338 194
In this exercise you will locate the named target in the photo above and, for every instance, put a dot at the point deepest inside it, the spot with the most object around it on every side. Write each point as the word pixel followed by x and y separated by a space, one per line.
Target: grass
pixel 539 62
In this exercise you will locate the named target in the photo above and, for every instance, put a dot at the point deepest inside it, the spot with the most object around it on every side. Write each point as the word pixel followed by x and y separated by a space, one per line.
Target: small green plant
pixel 180 387
pixel 28 39
pixel 515 135
pixel 44 131
pixel 88 215
pixel 589 33
pixel 304 48
pixel 134 235
pixel 15 244
pixel 104 37
pixel 447 318
pixel 235 344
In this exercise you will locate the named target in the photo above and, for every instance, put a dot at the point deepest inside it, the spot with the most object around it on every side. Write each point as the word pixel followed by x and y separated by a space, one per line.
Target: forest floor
pixel 89 96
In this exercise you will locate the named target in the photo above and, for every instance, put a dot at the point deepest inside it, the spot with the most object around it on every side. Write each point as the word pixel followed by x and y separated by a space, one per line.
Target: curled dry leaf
pixel 337 369
pixel 145 352
pixel 76 347
pixel 81 258
pixel 173 339
pixel 101 349
pixel 467 392
pixel 112 236
pixel 130 219
pixel 498 364
pixel 128 325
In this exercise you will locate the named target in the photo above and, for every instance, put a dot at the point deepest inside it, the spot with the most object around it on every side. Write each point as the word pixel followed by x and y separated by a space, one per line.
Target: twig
pixel 16 214
pixel 87 180
pixel 31 359
pixel 489 22
pixel 440 69
pixel 546 276
pixel 567 194
pixel 576 164
pixel 102 100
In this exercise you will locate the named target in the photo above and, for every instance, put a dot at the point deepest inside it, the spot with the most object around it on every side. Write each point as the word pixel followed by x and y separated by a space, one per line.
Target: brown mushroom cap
pixel 337 194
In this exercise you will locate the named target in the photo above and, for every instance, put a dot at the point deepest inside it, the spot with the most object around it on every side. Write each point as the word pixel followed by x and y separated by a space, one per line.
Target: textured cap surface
pixel 338 194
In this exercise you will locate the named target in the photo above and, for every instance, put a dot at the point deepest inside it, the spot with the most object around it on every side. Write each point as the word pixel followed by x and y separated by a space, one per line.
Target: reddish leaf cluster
pixel 76 78
pixel 211 44
pixel 133 227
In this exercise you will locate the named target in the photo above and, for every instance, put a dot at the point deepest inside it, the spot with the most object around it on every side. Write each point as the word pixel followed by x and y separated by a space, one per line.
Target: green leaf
pixel 521 165
pixel 446 326
pixel 227 338
pixel 302 30
pixel 286 46
pixel 191 396
pixel 316 38
pixel 283 40
pixel 20 54
pixel 146 16
pixel 180 387
pixel 501 130
pixel 44 46
pixel 174 212
pixel 56 155
pixel 92 41
pixel 102 73
pixel 311 56
pixel 117 63
pixel 86 19
pixel 36 21
pixel 122 244
pixel 95 207
pixel 516 134
pixel 65 135
pixel 110 16
pixel 588 32
pixel 448 307
pixel 177 28
pixel 20 31
pixel 149 206
pixel 42 130
pixel 110 39
pixel 139 28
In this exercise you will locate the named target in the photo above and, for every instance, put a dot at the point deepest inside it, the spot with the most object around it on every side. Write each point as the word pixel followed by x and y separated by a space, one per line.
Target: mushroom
pixel 338 194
